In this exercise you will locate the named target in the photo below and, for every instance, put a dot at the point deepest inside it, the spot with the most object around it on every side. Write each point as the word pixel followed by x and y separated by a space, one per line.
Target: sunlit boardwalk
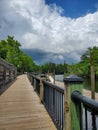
pixel 20 108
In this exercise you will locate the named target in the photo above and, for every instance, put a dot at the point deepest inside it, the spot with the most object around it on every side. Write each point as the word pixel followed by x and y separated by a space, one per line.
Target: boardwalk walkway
pixel 20 108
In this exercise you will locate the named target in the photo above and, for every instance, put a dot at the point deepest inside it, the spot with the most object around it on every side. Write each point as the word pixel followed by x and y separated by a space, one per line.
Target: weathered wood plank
pixel 20 108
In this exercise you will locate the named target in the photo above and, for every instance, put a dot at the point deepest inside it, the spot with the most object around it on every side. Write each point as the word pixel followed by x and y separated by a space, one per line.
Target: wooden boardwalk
pixel 20 108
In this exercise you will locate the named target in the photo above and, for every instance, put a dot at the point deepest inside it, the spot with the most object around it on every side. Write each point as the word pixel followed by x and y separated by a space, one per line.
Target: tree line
pixel 82 68
pixel 11 52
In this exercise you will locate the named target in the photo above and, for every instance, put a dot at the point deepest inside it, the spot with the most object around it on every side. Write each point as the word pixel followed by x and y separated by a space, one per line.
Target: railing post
pixel 72 113
pixel 54 75
pixel 4 75
pixel 31 76
pixel 92 76
pixel 34 84
pixel 42 77
pixel 10 75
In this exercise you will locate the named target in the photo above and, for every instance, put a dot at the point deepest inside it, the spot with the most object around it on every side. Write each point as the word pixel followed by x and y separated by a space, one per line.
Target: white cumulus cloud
pixel 40 26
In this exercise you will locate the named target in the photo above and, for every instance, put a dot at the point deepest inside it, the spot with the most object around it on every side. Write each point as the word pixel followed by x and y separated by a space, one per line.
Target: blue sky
pixel 51 30
pixel 75 8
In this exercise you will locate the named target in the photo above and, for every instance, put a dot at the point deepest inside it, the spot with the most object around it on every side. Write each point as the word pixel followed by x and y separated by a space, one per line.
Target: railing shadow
pixel 6 86
pixel 8 73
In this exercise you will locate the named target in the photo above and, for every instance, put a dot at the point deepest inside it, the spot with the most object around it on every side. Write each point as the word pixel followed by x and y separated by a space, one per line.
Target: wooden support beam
pixel 34 84
pixel 42 77
pixel 73 114
pixel 92 76
pixel 41 89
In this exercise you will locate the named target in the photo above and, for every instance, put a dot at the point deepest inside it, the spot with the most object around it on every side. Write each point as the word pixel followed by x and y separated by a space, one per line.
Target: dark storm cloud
pixel 41 57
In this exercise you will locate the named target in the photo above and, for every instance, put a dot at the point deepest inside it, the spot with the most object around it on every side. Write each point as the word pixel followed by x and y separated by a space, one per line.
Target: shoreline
pixel 86 93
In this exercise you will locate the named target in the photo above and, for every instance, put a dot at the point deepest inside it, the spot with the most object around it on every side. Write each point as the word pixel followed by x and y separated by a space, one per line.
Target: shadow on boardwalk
pixel 4 88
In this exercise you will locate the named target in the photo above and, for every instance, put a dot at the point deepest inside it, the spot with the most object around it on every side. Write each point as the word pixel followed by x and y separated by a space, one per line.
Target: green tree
pixel 10 51
pixel 83 67
pixel 86 58
pixel 3 49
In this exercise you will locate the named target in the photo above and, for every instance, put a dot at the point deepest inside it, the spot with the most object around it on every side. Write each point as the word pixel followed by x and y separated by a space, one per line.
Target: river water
pixel 86 83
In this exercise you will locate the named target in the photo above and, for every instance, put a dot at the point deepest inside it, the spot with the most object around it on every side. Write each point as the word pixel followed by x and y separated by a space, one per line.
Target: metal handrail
pixel 90 109
pixel 90 103
pixel 54 86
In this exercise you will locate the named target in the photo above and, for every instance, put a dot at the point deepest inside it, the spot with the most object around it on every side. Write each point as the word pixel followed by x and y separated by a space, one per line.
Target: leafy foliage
pixel 90 56
pixel 10 51
pixel 51 67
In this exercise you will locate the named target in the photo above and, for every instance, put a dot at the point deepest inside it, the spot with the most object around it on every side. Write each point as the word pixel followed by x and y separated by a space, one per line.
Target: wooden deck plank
pixel 20 108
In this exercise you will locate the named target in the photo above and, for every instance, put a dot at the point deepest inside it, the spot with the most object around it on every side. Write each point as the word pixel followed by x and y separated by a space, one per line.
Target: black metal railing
pixel 90 111
pixel 38 86
pixel 7 73
pixel 53 99
pixel 32 80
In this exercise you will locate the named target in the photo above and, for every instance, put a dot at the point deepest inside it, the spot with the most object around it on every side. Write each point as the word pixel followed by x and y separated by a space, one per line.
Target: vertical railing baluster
pixel 62 112
pixel 80 114
pixel 45 92
pixel 59 107
pixel 49 99
pixel 93 122
pixel 63 109
pixel 47 96
pixel 56 104
pixel 52 101
pixel 86 123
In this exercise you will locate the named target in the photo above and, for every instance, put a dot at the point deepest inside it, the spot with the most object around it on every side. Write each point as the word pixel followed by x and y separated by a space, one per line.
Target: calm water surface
pixel 86 83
